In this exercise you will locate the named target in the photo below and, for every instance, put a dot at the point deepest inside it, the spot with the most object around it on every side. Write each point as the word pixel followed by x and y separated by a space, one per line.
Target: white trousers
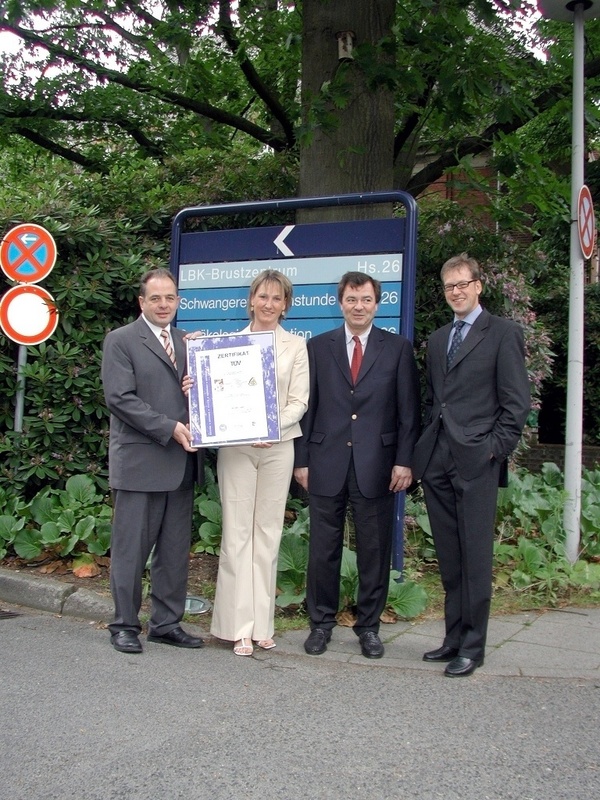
pixel 254 484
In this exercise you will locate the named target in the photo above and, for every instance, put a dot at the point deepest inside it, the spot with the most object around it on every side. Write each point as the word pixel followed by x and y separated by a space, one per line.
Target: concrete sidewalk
pixel 561 643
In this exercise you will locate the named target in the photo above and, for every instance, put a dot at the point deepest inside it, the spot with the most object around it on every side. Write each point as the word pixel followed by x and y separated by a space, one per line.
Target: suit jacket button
pixel 353 416
pixel 349 444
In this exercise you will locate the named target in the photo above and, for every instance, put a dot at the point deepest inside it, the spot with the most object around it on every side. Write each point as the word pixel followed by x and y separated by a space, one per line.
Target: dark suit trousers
pixel 143 520
pixel 373 522
pixel 462 516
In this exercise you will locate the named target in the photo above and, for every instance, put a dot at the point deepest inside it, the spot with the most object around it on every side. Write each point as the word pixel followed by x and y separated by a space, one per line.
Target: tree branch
pixel 269 99
pixel 152 149
pixel 64 152
pixel 474 145
pixel 174 98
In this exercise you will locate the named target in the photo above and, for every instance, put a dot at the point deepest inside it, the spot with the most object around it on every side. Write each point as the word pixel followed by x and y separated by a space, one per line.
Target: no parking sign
pixel 28 314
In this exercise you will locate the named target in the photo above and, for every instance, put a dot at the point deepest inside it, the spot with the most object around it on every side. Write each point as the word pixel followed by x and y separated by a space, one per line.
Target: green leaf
pixel 285 600
pixel 66 520
pixel 44 508
pixel 81 488
pixel 293 555
pixel 68 546
pixel 27 544
pixel 50 533
pixel 85 528
pixel 100 543
pixel 408 599
pixel 9 527
pixel 211 509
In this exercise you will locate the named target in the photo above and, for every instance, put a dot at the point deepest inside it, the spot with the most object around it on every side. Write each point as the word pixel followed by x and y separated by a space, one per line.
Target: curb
pixel 53 596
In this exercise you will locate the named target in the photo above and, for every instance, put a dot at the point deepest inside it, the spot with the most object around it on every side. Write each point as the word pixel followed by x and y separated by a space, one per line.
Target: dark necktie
pixel 457 340
pixel 357 356
pixel 168 347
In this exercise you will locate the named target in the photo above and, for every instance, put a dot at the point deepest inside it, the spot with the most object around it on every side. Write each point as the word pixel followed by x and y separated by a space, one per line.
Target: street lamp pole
pixel 574 421
pixel 575 11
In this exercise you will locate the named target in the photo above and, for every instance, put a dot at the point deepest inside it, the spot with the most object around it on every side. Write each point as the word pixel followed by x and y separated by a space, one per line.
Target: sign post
pixel 581 240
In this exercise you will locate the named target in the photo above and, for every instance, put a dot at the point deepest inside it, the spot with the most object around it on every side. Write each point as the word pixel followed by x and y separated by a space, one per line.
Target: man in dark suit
pixel 476 406
pixel 356 447
pixel 152 468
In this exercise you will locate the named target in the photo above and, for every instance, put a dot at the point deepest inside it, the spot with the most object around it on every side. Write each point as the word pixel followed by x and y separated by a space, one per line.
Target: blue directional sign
pixel 214 269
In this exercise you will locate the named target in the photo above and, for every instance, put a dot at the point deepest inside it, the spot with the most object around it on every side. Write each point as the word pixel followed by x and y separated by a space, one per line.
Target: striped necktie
pixel 168 347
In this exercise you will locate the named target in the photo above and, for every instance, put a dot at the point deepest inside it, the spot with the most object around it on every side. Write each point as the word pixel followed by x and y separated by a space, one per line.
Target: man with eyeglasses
pixel 476 405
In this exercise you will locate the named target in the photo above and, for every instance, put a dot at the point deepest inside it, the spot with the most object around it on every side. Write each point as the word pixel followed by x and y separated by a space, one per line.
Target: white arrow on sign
pixel 279 241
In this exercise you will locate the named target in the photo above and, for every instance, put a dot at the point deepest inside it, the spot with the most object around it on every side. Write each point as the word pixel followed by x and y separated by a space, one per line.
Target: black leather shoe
pixel 461 666
pixel 443 653
pixel 317 641
pixel 126 642
pixel 370 645
pixel 178 638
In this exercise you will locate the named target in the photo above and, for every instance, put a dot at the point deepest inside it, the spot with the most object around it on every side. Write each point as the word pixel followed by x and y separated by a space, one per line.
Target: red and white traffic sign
pixel 28 314
pixel 27 253
pixel 586 222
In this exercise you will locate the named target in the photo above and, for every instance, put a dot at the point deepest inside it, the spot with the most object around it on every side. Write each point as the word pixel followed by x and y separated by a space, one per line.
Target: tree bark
pixel 354 153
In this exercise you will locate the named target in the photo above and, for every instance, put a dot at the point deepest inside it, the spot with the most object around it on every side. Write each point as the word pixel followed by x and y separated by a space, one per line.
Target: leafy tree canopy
pixel 104 82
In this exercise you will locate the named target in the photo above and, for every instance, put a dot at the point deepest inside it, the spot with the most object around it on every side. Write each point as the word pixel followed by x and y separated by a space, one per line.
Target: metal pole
pixel 20 398
pixel 574 421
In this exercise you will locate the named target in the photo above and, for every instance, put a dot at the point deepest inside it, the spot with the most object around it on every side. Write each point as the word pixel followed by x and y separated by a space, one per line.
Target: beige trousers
pixel 254 484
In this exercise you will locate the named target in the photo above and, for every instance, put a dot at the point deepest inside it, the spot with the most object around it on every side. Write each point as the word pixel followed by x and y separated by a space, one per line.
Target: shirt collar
pixel 470 318
pixel 156 330
pixel 363 337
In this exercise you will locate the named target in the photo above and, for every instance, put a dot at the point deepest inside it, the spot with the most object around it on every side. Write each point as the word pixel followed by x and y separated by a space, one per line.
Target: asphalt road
pixel 79 721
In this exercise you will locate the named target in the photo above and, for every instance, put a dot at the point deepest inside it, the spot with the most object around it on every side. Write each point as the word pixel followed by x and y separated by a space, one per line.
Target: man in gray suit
pixel 476 406
pixel 152 468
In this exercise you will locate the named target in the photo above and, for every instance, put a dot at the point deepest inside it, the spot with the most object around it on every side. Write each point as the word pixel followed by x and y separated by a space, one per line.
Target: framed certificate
pixel 233 399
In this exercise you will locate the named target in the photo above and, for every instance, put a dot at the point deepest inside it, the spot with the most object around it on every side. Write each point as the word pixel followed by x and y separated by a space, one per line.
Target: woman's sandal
pixel 243 649
pixel 265 644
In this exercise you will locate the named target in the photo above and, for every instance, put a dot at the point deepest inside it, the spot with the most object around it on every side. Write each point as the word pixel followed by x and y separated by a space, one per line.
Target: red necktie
pixel 357 356
pixel 168 347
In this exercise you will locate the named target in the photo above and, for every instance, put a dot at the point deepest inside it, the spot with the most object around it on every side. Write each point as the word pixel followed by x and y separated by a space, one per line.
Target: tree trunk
pixel 346 149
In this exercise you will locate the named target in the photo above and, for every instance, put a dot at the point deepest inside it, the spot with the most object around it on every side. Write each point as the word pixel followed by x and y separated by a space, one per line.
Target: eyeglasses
pixel 461 285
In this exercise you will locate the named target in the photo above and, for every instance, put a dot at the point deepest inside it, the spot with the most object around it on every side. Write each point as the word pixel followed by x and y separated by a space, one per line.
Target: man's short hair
pixel 355 280
pixel 462 260
pixel 159 272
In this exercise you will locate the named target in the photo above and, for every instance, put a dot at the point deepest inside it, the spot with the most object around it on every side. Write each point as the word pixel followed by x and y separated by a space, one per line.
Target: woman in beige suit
pixel 254 482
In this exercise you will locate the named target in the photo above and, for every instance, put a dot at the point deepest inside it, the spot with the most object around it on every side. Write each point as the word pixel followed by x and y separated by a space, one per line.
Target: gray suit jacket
pixel 482 400
pixel 143 394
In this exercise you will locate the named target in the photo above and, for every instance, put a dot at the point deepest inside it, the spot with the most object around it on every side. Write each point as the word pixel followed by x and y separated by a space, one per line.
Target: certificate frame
pixel 234 398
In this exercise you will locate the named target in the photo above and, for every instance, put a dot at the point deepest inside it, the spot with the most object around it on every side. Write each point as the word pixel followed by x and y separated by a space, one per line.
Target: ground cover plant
pixel 72 526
